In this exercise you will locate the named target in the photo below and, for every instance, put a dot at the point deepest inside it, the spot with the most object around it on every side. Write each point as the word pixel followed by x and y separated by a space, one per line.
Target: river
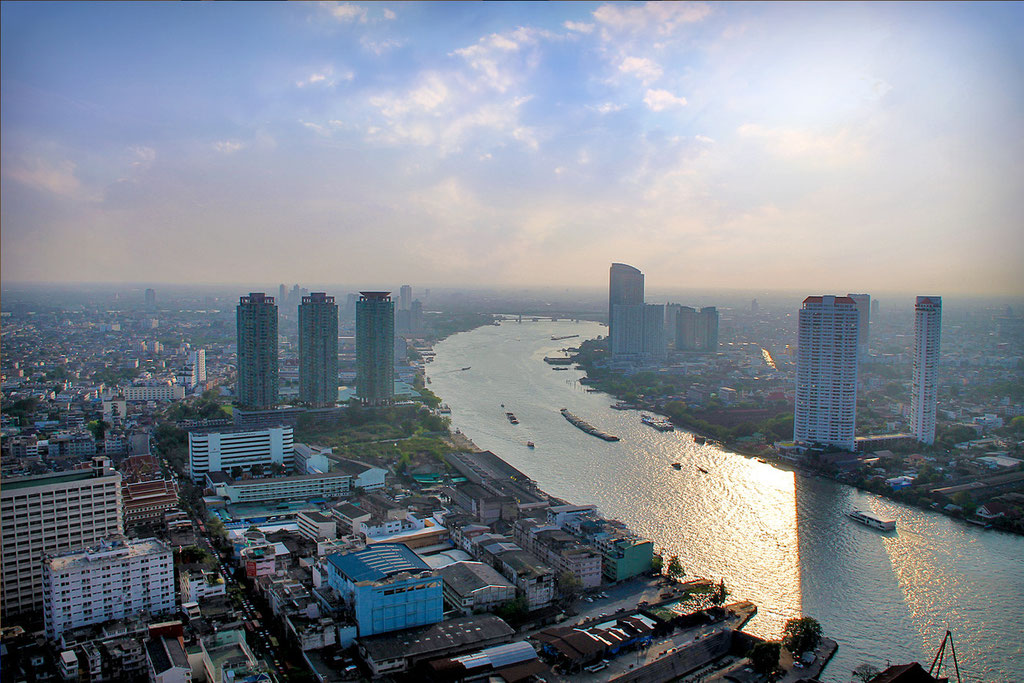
pixel 777 537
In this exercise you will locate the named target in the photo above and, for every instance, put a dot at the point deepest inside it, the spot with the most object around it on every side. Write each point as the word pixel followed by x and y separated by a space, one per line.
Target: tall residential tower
pixel 863 302
pixel 826 372
pixel 256 328
pixel 318 350
pixel 927 336
pixel 375 348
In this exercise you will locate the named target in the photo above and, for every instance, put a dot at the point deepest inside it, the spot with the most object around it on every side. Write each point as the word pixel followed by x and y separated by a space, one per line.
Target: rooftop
pixel 450 635
pixel 377 562
pixel 107 551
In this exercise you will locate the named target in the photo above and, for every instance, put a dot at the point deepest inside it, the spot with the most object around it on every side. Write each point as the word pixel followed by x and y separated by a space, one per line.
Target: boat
pixel 677 465
pixel 466 368
pixel 529 444
pixel 702 469
pixel 700 440
pixel 762 460
pixel 568 336
pixel 585 426
pixel 550 360
pixel 622 405
pixel 659 424
pixel 560 368
pixel 512 418
pixel 868 519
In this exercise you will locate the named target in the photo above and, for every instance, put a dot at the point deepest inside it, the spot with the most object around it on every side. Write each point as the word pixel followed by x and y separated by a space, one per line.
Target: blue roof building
pixel 388 587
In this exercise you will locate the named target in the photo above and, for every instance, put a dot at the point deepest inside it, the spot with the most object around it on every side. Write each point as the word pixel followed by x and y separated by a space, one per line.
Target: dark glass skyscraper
pixel 256 328
pixel 375 348
pixel 318 350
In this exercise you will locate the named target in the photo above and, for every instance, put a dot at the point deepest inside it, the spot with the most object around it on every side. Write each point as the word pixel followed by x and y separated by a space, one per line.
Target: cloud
pixel 228 146
pixel 389 14
pixel 379 47
pixel 579 26
pixel 142 157
pixel 662 18
pixel 347 12
pixel 659 100
pixel 55 177
pixel 326 77
pixel 643 68
pixel 838 148
pixel 498 57
pixel 607 107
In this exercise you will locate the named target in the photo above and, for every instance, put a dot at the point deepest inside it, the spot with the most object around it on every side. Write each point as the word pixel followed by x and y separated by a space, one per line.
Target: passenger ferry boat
pixel 868 519
pixel 659 424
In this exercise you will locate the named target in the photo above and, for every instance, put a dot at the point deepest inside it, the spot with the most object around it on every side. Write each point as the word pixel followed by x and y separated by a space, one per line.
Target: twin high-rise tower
pixel 256 330
pixel 375 348
pixel 318 350
pixel 635 329
pixel 832 341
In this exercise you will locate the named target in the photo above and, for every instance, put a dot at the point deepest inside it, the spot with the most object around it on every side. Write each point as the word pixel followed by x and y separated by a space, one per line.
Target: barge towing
pixel 585 426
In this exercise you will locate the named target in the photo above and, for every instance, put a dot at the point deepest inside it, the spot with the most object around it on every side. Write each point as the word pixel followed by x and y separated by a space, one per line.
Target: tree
pixel 569 585
pixel 657 563
pixel 514 610
pixel 865 672
pixel 719 595
pixel 675 568
pixel 764 657
pixel 98 429
pixel 801 635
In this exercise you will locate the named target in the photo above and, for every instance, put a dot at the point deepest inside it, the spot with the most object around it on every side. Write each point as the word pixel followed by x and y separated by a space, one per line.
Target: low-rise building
pixel 387 587
pixel 200 584
pixel 474 587
pixel 316 525
pixel 167 661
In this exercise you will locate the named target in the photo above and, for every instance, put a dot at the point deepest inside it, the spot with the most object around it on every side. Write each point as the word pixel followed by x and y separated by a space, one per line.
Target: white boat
pixel 868 519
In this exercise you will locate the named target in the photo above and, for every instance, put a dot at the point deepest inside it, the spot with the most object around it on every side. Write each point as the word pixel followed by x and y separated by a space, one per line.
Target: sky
pixel 808 146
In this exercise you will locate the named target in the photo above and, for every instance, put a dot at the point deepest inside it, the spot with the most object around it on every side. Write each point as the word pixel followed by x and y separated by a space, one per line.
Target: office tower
pixel 51 513
pixel 318 350
pixel 282 293
pixel 375 348
pixel 755 307
pixel 350 306
pixel 874 308
pixel 707 329
pixel 416 317
pixel 405 298
pixel 686 329
pixel 863 302
pixel 150 298
pixel 927 337
pixel 256 327
pixel 114 579
pixel 639 331
pixel 403 322
pixel 224 451
pixel 626 288
pixel 826 372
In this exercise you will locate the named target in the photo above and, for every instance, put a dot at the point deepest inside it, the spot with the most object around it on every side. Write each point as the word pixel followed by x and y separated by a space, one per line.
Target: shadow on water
pixel 777 537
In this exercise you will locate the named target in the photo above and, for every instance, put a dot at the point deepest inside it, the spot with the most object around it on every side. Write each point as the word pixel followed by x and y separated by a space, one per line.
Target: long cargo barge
pixel 585 426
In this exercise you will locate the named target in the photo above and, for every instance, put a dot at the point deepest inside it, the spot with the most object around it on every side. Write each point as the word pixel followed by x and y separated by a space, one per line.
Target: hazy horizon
pixel 815 148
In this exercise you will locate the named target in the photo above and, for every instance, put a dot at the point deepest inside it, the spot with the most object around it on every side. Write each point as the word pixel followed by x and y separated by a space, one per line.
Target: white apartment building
pixel 200 584
pixel 316 525
pixel 927 337
pixel 296 487
pixel 194 370
pixel 112 580
pixel 52 513
pixel 154 392
pixel 826 372
pixel 223 451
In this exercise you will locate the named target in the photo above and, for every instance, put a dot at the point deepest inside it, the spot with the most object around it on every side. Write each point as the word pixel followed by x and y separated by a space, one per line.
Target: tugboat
pixel 529 444
pixel 677 465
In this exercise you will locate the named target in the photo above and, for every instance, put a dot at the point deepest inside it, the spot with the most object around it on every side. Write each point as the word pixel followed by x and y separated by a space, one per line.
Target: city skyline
pixel 712 144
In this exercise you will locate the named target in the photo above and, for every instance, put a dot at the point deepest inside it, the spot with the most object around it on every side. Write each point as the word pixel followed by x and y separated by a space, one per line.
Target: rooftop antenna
pixel 937 662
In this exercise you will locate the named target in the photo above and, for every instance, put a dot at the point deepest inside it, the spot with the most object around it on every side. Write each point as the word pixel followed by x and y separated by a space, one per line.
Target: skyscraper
pixel 318 350
pixel 375 348
pixel 863 302
pixel 625 287
pixel 927 337
pixel 416 317
pixel 639 331
pixel 405 298
pixel 150 298
pixel 686 329
pixel 256 329
pixel 707 329
pixel 826 372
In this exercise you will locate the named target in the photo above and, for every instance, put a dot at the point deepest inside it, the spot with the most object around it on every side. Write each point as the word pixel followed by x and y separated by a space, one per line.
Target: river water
pixel 777 537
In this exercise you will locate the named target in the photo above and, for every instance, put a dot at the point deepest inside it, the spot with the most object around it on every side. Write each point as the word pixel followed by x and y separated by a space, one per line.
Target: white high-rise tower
pixel 927 335
pixel 826 372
